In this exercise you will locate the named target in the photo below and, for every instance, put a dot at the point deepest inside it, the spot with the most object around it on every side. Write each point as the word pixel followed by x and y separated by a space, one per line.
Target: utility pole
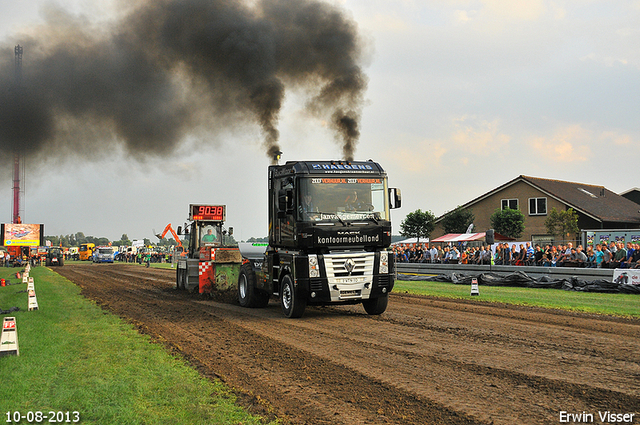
pixel 16 155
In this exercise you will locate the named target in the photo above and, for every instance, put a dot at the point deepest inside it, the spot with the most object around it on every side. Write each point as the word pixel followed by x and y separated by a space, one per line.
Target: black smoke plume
pixel 173 68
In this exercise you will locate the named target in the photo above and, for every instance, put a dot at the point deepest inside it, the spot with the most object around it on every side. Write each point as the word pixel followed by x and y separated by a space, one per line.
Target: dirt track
pixel 424 361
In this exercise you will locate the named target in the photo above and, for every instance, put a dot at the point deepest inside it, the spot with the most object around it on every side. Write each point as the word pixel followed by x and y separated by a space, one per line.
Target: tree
pixel 508 222
pixel 458 220
pixel 418 224
pixel 80 238
pixel 563 223
pixel 55 241
pixel 167 242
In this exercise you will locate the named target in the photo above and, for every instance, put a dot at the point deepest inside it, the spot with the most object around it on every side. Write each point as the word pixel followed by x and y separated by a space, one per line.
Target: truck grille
pixel 352 264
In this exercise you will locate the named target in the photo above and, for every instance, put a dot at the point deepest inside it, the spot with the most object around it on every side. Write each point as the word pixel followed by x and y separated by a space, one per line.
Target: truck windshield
pixel 343 198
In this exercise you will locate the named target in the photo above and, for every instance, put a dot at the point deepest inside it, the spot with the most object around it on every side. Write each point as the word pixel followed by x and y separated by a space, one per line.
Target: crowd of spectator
pixel 612 255
pixel 423 253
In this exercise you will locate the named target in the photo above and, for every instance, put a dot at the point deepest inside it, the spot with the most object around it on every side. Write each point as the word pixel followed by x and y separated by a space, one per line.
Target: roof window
pixel 587 192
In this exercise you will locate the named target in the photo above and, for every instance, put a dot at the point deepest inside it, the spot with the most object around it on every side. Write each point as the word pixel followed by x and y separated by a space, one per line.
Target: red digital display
pixel 207 212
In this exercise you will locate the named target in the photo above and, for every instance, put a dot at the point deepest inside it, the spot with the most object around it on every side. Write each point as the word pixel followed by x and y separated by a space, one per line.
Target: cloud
pixel 625 140
pixel 503 10
pixel 567 145
pixel 478 137
pixel 529 10
pixel 466 139
pixel 418 157
pixel 608 61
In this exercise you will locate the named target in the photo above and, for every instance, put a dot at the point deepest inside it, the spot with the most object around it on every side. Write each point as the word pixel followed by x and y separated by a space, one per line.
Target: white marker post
pixel 474 287
pixel 9 337
pixel 31 290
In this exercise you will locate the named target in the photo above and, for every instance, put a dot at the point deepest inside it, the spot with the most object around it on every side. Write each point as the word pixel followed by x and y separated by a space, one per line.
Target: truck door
pixel 284 207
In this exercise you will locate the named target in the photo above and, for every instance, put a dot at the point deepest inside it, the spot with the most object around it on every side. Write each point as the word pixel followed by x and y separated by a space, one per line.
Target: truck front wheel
pixel 292 304
pixel 376 305
pixel 248 294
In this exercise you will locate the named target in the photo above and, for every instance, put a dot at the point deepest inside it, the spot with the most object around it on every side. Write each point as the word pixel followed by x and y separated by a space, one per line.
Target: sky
pixel 461 97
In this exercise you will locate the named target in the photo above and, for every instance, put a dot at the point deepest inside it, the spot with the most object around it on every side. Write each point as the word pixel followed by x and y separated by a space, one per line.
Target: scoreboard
pixel 199 212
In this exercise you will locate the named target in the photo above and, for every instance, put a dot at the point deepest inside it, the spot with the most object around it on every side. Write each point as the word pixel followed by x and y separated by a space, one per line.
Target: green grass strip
pixel 76 357
pixel 625 305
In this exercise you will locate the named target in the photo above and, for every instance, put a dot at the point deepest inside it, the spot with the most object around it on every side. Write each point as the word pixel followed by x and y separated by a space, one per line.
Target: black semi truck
pixel 329 234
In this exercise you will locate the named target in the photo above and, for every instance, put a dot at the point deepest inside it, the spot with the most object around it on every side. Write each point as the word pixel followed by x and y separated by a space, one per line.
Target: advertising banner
pixel 606 236
pixel 22 234
pixel 627 276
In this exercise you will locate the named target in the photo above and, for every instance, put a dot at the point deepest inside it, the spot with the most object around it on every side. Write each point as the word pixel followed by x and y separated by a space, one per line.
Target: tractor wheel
pixel 178 276
pixel 182 278
pixel 292 304
pixel 375 306
pixel 248 294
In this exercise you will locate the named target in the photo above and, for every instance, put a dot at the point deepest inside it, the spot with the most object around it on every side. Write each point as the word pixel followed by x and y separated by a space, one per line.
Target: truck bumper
pixel 319 291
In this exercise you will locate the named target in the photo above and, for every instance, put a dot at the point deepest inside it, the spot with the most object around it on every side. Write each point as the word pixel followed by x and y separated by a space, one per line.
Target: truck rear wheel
pixel 248 294
pixel 292 304
pixel 375 306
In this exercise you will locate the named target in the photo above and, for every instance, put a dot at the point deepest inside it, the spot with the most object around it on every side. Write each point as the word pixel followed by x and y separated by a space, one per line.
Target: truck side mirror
pixel 395 198
pixel 230 231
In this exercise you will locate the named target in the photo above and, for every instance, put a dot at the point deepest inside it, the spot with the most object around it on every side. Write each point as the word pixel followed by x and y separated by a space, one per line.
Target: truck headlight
pixel 313 266
pixel 384 262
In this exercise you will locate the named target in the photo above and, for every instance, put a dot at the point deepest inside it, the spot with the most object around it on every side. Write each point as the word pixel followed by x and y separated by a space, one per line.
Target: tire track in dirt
pixel 423 361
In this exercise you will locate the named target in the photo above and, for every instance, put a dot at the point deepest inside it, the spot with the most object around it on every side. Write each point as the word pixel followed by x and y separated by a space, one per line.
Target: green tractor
pixel 54 257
